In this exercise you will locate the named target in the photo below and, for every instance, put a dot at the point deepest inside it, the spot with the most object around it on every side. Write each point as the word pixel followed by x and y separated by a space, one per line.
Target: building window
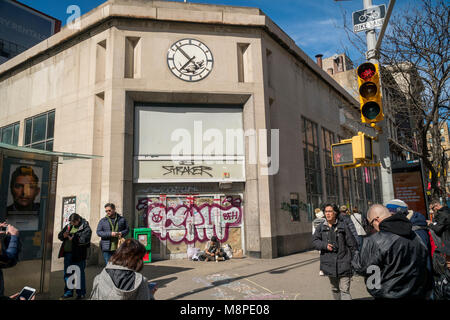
pixel 346 187
pixel 39 131
pixel 331 176
pixel 359 190
pixel 368 185
pixel 313 174
pixel 10 134
pixel 377 184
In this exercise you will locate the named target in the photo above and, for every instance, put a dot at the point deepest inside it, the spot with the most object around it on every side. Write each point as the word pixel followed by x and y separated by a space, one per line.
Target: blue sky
pixel 315 25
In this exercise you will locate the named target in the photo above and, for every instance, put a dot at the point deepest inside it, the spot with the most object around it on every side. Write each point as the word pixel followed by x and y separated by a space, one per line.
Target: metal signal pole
pixel 383 143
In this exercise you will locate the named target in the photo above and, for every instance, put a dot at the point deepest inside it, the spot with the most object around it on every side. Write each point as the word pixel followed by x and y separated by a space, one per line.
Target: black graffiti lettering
pixel 188 170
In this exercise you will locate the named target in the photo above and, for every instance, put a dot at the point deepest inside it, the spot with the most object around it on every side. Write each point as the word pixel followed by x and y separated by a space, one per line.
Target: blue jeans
pixel 82 265
pixel 107 255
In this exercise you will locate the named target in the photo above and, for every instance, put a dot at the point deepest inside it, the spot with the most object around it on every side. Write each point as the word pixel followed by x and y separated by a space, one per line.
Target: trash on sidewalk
pixel 238 254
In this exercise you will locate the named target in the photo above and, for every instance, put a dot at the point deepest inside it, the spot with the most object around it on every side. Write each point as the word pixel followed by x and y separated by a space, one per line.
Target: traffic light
pixel 349 151
pixel 362 147
pixel 342 154
pixel 369 87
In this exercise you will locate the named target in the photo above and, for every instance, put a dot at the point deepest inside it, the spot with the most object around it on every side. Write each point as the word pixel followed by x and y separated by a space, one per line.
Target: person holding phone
pixel 76 238
pixel 9 250
pixel 26 293
pixel 110 229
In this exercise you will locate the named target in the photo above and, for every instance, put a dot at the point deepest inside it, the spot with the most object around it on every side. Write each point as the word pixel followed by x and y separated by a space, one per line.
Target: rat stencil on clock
pixel 190 60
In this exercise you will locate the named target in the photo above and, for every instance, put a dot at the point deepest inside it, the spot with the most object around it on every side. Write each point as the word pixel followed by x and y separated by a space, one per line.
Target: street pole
pixel 386 169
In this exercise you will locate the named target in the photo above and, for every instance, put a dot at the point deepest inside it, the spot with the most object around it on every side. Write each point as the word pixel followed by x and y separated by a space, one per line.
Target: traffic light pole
pixel 383 143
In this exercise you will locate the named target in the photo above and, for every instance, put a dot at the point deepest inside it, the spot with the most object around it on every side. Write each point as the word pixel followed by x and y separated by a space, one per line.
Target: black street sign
pixel 369 18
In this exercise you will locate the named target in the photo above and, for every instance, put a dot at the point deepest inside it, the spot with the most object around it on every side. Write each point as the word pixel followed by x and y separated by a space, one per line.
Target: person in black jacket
pixel 110 229
pixel 76 239
pixel 441 268
pixel 337 245
pixel 394 259
pixel 441 220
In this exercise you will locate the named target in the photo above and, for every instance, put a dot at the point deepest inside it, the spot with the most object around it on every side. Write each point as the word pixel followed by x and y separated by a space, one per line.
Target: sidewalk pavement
pixel 294 277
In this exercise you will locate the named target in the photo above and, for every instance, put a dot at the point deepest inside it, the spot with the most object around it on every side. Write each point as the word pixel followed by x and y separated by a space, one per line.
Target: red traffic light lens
pixel 371 110
pixel 368 90
pixel 366 71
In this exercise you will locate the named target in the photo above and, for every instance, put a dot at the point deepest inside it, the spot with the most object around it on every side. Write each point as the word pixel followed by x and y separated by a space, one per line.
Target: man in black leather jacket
pixel 395 255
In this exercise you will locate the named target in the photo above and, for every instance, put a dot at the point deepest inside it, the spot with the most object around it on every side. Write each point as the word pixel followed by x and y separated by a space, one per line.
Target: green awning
pixel 16 150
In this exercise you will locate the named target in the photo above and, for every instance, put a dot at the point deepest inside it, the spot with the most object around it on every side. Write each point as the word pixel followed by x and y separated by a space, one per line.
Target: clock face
pixel 190 60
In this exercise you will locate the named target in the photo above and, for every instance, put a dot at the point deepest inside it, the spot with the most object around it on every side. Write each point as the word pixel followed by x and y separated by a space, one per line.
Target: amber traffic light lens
pixel 366 71
pixel 368 90
pixel 371 110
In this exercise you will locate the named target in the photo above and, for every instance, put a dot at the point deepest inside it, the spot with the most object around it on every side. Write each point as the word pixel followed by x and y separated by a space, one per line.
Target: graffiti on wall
pixel 187 170
pixel 191 218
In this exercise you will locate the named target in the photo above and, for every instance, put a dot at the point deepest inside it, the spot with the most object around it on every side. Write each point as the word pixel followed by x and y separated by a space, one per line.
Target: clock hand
pixel 190 60
pixel 184 53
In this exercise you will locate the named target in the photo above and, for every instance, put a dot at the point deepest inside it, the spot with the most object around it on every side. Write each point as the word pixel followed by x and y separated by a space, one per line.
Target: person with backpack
pixel 344 215
pixel 320 218
pixel 360 225
pixel 121 279
pixel 419 225
pixel 76 240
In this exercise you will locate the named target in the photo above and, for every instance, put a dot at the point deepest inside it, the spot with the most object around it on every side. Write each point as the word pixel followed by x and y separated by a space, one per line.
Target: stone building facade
pixel 138 77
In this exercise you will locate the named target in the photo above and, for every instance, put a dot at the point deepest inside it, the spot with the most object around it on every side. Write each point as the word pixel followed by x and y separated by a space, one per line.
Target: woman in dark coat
pixel 337 245
pixel 76 239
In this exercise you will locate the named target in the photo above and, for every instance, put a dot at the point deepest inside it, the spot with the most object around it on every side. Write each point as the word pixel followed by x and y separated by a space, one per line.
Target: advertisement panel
pixel 24 27
pixel 408 185
pixel 23 201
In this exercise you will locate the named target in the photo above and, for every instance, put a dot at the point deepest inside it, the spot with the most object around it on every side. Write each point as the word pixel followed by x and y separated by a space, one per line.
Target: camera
pixel 3 229
pixel 335 246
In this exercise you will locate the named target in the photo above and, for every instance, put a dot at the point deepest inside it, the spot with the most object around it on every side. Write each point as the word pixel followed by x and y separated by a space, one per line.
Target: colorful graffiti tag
pixel 191 218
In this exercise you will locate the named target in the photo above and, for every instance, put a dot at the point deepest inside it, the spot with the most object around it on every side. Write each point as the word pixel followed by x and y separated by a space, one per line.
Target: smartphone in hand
pixel 27 293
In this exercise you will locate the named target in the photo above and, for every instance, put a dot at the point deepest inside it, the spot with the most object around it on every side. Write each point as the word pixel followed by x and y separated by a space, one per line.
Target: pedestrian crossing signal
pixel 350 152
pixel 342 154
pixel 370 96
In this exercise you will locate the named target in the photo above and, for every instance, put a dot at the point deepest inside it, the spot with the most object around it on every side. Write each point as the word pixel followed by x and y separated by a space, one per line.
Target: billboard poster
pixel 409 188
pixel 69 207
pixel 24 196
pixel 23 201
pixel 23 26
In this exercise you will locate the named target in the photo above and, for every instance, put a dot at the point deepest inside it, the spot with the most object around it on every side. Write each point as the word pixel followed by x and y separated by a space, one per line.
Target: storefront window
pixel 10 134
pixel 376 181
pixel 331 176
pixel 313 175
pixel 368 185
pixel 359 190
pixel 39 131
pixel 346 187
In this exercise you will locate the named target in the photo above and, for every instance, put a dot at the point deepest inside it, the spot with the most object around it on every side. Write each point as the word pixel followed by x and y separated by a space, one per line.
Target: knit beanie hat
pixel 397 205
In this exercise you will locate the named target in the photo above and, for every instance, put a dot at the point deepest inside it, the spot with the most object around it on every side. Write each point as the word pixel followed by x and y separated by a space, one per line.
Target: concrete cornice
pixel 177 12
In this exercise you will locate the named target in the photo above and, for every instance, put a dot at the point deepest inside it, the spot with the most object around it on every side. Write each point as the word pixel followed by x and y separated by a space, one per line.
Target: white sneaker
pixel 321 273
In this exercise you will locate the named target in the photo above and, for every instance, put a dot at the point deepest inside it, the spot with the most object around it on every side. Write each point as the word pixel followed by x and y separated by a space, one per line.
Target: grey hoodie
pixel 105 289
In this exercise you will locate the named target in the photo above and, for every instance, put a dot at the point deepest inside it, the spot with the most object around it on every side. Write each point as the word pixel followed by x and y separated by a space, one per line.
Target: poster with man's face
pixel 24 196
